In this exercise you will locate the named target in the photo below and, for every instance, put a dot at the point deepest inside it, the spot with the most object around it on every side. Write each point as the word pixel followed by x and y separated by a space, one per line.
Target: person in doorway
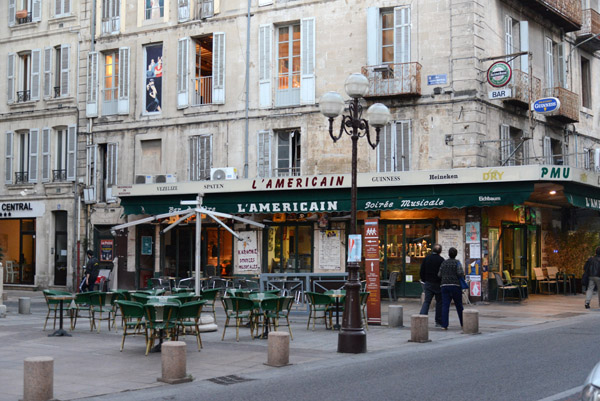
pixel 92 269
pixel 431 283
pixel 591 277
pixel 450 272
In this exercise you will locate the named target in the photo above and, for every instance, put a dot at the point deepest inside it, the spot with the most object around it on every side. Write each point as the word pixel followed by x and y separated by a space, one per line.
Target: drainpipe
pixel 247 92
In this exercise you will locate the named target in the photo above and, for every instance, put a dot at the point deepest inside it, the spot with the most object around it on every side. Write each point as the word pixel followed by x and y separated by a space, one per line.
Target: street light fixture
pixel 352 337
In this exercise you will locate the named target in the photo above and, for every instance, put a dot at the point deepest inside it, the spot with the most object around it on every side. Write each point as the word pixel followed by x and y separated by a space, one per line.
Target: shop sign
pixel 500 93
pixel 371 233
pixel 106 250
pixel 546 105
pixel 499 74
pixel 287 207
pixel 13 210
pixel 247 252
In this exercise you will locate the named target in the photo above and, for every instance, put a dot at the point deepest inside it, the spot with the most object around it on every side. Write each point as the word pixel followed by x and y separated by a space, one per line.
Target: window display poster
pixel 146 245
pixel 472 231
pixel 247 252
pixel 153 71
pixel 107 247
pixel 452 239
pixel 329 250
pixel 354 248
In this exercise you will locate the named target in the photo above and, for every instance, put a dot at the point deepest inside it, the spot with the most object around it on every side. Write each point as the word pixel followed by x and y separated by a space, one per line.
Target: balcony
pixel 566 14
pixel 23 17
pixel 59 175
pixel 21 177
pixel 402 79
pixel 286 172
pixel 519 85
pixel 569 104
pixel 589 28
pixel 202 91
pixel 23 96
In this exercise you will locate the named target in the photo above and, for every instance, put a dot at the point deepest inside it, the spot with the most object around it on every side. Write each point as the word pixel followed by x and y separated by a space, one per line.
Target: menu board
pixel 330 250
pixel 247 252
pixel 452 239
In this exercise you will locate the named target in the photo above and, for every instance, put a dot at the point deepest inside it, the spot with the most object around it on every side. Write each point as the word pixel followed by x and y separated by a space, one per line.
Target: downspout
pixel 246 144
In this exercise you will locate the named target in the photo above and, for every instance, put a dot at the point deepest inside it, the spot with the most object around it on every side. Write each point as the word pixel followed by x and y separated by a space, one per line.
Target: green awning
pixel 338 200
pixel 582 196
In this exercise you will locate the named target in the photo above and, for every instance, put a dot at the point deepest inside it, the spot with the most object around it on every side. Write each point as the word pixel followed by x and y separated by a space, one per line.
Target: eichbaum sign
pixel 499 74
pixel 546 105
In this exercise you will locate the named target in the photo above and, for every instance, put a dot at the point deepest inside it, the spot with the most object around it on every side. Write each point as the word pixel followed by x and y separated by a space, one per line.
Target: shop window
pixel 290 249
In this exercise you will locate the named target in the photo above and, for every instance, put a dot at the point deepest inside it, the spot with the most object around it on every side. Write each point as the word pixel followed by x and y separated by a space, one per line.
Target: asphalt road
pixel 545 362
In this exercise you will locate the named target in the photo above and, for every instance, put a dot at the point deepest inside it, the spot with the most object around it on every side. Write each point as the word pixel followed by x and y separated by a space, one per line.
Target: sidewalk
pixel 89 364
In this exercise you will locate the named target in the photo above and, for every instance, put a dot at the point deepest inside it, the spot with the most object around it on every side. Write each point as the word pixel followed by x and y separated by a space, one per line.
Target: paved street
pixel 530 351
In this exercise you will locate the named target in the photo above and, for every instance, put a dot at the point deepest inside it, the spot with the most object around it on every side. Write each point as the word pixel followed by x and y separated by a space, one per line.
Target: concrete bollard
pixel 173 361
pixel 395 316
pixel 419 329
pixel 471 321
pixel 38 379
pixel 279 349
pixel 24 305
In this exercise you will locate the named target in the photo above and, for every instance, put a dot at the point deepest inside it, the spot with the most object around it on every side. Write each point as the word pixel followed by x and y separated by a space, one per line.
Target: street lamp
pixel 352 337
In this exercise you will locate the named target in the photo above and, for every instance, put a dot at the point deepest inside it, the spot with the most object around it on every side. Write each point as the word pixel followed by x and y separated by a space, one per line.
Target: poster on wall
pixel 354 248
pixel 472 232
pixel 329 250
pixel 146 245
pixel 107 247
pixel 154 66
pixel 247 260
pixel 452 239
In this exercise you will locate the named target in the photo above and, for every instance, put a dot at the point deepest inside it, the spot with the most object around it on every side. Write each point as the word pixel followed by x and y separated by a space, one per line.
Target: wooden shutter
pixel 183 68
pixel 36 13
pixel 219 67
pixel 91 153
pixel 46 154
pixel 505 148
pixel 10 75
pixel 207 8
pixel 36 67
pixel 8 153
pixel 123 86
pixel 307 61
pixel 548 150
pixel 265 42
pixel 549 62
pixel 204 156
pixel 508 39
pixel 403 145
pixel 263 168
pixel 373 35
pixel 524 45
pixel 561 61
pixel 91 109
pixel 64 70
pixel 385 160
pixel 33 154
pixel 58 7
pixel 66 7
pixel 71 152
pixel 47 72
pixel 193 161
pixel 183 10
pixel 12 12
pixel 112 157
pixel 402 34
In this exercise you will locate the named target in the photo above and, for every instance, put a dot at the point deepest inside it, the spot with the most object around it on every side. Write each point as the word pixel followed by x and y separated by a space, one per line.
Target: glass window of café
pixel 289 248
pixel 18 250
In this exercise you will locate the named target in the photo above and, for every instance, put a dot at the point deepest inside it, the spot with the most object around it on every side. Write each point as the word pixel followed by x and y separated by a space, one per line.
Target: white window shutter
pixel 504 144
pixel 193 152
pixel 46 154
pixel 597 159
pixel 36 13
pixel 218 67
pixel 91 109
pixel 263 168
pixel 402 34
pixel 12 12
pixel 549 62
pixel 58 7
pixel 183 10
pixel 524 45
pixel 8 153
pixel 204 156
pixel 403 144
pixel 64 70
pixel 547 150
pixel 47 72
pixel 71 152
pixel 10 75
pixel 36 66
pixel 66 7
pixel 509 40
pixel 183 69
pixel 373 35
pixel 112 156
pixel 265 46
pixel 91 153
pixel 562 64
pixel 33 154
pixel 123 102
pixel 307 61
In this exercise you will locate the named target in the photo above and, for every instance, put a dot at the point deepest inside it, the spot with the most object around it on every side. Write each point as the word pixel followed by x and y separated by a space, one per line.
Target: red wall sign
pixel 371 235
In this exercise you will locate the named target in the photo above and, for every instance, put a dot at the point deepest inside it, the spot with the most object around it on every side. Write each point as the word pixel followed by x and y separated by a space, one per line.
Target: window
pixel 288 153
pixel 111 20
pixel 295 61
pixel 586 83
pixel 155 9
pixel 24 11
pixel 59 172
pixel 110 93
pixel 264 154
pixel 393 151
pixel 115 82
pixel 25 143
pixel 203 70
pixel 25 77
pixel 61 71
pixel 588 157
pixel 183 10
pixel 555 66
pixel 516 39
pixel 151 160
pixel 62 8
pixel 204 9
pixel 200 157
pixel 154 63
pixel 553 151
pixel 514 149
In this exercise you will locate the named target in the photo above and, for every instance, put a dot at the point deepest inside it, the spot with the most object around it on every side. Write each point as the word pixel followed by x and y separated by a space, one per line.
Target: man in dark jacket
pixel 591 274
pixel 92 269
pixel 431 283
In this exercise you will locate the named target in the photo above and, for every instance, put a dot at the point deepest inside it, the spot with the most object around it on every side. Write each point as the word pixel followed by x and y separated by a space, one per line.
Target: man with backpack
pixel 92 268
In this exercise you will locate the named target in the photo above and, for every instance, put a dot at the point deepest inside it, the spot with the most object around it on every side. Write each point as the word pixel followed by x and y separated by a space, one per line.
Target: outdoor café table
pixel 60 299
pixel 336 295
pixel 257 298
pixel 159 308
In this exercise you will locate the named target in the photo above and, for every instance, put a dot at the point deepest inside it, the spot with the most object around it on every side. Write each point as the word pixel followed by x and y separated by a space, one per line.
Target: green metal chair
pixel 275 309
pixel 98 307
pixel 238 308
pixel 54 306
pixel 118 295
pixel 140 297
pixel 160 326
pixel 188 318
pixel 210 297
pixel 81 304
pixel 318 303
pixel 132 314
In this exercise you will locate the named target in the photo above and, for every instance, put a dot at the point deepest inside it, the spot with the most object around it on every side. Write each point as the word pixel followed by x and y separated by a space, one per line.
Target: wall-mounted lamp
pixel 552 192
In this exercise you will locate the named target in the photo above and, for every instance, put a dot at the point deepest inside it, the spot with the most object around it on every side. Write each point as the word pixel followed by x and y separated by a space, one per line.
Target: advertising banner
pixel 372 270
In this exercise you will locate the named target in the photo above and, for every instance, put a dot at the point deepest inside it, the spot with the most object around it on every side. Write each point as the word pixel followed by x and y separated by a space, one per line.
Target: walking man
pixel 431 283
pixel 92 268
pixel 591 277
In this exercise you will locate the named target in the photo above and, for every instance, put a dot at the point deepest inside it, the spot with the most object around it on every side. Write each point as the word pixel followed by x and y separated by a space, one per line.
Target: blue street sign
pixel 546 105
pixel 440 79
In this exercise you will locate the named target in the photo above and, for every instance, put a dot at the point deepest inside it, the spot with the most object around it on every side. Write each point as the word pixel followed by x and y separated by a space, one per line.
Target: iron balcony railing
pixel 589 28
pixel 21 177
pixel 23 96
pixel 202 91
pixel 286 172
pixel 57 91
pixel 520 88
pixel 59 175
pixel 569 104
pixel 401 79
pixel 566 14
pixel 23 17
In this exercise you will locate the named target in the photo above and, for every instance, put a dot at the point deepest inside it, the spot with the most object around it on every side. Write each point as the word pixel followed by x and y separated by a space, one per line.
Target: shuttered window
pixel 393 151
pixel 200 157
pixel 71 152
pixel 33 154
pixel 8 156
pixel 45 154
pixel 263 169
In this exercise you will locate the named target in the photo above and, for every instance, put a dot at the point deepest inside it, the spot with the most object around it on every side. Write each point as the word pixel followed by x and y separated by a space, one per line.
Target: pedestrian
pixel 431 283
pixel 591 277
pixel 91 272
pixel 450 272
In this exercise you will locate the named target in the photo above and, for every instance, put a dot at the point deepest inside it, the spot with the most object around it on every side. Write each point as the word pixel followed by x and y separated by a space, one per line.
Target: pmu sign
pixel 546 105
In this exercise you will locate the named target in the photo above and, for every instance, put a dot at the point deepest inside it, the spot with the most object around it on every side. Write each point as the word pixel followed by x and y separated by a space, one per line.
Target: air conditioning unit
pixel 162 178
pixel 223 173
pixel 144 179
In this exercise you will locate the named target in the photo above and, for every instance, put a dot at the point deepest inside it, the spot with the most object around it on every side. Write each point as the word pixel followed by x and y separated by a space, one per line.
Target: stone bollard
pixel 419 329
pixel 24 305
pixel 395 318
pixel 174 363
pixel 38 378
pixel 471 321
pixel 279 349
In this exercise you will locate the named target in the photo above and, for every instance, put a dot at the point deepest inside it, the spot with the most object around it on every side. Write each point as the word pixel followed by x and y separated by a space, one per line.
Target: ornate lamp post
pixel 352 337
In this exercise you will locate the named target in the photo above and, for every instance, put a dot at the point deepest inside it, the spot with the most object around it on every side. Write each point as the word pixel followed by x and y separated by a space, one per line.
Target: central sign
pixel 499 74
